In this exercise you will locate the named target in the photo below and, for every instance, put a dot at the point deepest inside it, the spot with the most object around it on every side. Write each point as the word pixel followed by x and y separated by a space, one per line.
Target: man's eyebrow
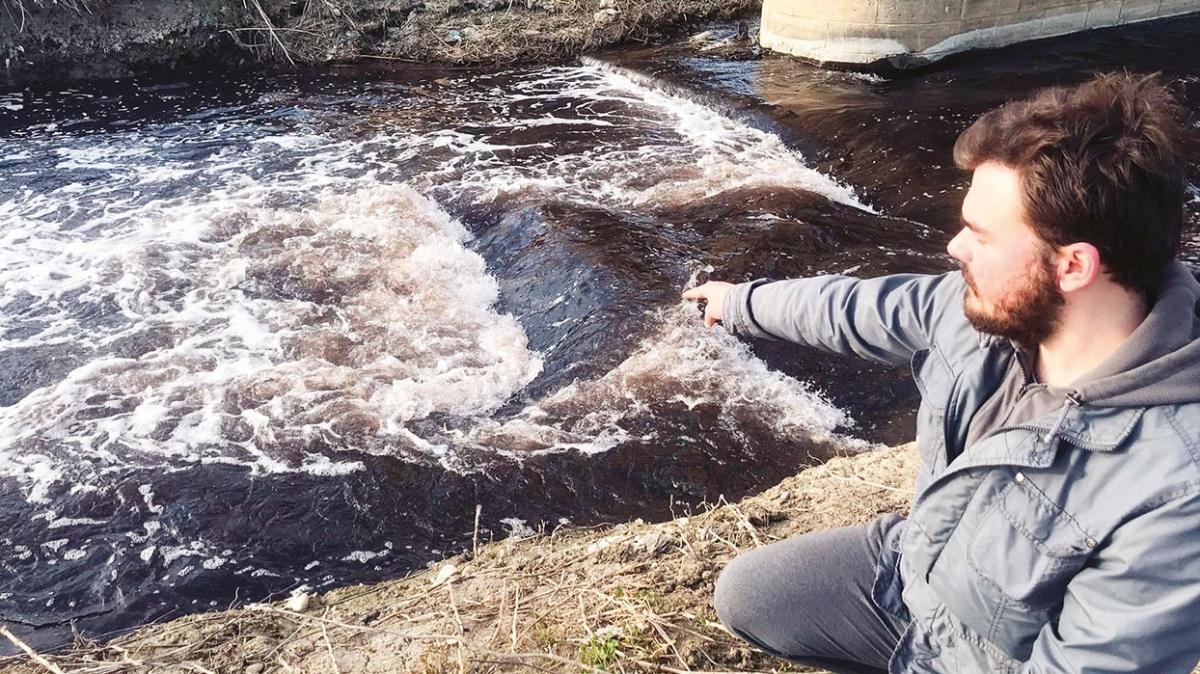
pixel 970 225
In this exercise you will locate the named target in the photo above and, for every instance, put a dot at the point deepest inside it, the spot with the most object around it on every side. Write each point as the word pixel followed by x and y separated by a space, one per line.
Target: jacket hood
pixel 1159 364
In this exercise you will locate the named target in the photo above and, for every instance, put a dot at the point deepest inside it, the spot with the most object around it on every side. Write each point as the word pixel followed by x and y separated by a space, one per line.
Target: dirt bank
pixel 52 39
pixel 627 598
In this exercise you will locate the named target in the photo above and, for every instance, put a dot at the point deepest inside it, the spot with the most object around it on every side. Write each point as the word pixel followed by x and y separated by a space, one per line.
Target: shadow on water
pixel 277 332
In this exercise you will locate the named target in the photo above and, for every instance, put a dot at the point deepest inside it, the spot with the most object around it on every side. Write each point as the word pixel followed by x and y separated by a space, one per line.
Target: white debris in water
pixel 72 522
pixel 72 555
pixel 54 545
pixel 147 492
pixel 291 142
pixel 364 556
pixel 170 553
pixel 320 464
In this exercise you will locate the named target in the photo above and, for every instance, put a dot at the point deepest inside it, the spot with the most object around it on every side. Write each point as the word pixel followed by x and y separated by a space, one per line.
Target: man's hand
pixel 713 293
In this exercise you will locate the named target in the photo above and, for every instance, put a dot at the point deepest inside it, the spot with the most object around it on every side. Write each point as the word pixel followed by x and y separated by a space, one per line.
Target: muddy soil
pixel 42 40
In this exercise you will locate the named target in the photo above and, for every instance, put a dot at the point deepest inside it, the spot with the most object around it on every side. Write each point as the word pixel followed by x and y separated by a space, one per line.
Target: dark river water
pixel 266 333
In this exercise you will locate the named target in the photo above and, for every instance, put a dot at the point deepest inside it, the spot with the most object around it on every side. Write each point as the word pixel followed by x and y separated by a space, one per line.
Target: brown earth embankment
pixel 633 598
pixel 68 39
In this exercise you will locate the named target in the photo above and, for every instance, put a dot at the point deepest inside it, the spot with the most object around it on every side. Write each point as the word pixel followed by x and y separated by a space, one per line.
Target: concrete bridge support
pixel 908 33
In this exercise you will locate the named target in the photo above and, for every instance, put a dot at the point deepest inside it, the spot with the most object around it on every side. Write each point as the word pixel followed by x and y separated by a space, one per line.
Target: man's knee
pixel 733 597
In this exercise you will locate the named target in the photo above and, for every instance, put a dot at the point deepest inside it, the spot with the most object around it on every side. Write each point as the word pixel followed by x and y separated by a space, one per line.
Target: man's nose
pixel 957 248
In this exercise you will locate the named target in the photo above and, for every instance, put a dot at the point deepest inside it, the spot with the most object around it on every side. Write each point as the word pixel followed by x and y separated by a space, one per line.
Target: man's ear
pixel 1078 266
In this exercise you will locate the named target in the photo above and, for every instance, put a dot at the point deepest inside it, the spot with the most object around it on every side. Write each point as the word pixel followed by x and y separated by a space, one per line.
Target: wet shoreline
pixel 42 43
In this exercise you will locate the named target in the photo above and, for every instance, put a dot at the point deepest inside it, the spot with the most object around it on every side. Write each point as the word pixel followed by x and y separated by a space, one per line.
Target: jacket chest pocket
pixel 1024 552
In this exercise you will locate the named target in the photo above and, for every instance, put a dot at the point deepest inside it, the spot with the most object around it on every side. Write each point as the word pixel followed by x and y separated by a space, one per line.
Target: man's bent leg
pixel 808 599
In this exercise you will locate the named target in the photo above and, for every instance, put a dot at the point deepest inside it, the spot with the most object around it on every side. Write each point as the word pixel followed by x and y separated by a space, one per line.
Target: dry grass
pixel 18 11
pixel 632 598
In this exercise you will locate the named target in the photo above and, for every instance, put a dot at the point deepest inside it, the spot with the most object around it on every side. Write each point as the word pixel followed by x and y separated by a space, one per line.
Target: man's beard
pixel 1027 314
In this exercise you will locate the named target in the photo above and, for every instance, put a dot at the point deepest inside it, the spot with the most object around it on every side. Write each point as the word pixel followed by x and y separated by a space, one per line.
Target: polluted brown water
pixel 268 333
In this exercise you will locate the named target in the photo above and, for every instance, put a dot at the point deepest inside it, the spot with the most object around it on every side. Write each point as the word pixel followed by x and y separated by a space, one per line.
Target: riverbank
pixel 43 39
pixel 627 598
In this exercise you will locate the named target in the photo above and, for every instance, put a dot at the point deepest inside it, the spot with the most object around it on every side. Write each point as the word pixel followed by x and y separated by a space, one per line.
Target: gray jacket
pixel 1070 543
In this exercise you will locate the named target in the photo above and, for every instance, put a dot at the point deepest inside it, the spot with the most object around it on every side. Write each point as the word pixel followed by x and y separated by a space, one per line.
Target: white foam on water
pixel 285 311
pixel 72 555
pixel 707 155
pixel 286 330
pixel 683 365
pixel 364 556
pixel 733 155
pixel 290 329
pixel 72 521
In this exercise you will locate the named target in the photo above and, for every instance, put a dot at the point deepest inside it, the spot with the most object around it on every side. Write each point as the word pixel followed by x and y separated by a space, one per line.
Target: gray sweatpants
pixel 808 599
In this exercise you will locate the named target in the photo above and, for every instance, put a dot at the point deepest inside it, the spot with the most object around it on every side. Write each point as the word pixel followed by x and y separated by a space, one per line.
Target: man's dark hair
pixel 1100 163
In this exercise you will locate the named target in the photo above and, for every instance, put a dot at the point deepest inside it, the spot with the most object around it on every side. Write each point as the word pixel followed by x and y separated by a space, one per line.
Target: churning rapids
pixel 262 333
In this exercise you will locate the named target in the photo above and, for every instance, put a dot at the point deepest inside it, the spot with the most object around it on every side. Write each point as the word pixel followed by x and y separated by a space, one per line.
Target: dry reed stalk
pixel 269 27
pixel 33 655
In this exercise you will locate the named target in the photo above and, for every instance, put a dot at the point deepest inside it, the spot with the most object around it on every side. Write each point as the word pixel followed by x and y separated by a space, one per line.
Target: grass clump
pixel 599 651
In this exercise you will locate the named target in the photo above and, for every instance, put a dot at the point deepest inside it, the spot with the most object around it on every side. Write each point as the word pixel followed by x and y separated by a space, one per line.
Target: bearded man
pixel 1056 521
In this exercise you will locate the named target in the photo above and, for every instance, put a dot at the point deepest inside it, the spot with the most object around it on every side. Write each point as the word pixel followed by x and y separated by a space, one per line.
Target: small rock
pixel 454 36
pixel 444 574
pixel 608 4
pixel 654 543
pixel 299 602
pixel 256 668
pixel 604 16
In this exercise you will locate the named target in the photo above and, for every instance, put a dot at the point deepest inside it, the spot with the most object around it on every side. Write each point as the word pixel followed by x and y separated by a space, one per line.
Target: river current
pixel 261 333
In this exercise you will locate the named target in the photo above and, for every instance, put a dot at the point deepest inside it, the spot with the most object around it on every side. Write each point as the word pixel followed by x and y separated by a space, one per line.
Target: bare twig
pixel 475 535
pixel 329 648
pixel 270 28
pixel 33 655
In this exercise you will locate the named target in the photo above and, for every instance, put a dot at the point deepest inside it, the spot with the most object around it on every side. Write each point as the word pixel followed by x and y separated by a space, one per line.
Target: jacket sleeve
pixel 885 319
pixel 1137 607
